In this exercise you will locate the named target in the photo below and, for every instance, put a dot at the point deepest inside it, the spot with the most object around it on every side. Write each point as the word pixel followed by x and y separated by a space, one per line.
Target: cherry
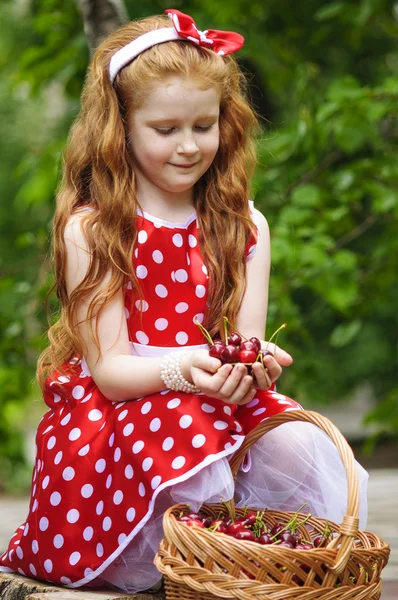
pixel 250 576
pixel 247 356
pixel 234 339
pixel 184 518
pixel 230 354
pixel 249 346
pixel 207 521
pixel 256 342
pixel 196 522
pixel 304 547
pixel 250 517
pixel 285 536
pixel 194 515
pixel 320 542
pixel 285 545
pixel 245 534
pixel 297 537
pixel 277 528
pixel 234 528
pixel 227 520
pixel 265 539
pixel 219 525
pixel 266 353
pixel 215 351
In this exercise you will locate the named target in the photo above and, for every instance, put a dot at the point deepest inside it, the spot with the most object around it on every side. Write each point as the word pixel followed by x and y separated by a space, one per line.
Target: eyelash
pixel 168 131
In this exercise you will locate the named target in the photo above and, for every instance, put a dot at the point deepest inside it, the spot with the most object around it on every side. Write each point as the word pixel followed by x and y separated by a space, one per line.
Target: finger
pixel 248 397
pixel 207 363
pixel 262 378
pixel 220 377
pixel 280 355
pixel 244 389
pixel 234 379
pixel 274 369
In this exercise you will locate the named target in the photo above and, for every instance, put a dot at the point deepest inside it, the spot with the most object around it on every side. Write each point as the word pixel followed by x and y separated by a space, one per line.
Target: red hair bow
pixel 222 42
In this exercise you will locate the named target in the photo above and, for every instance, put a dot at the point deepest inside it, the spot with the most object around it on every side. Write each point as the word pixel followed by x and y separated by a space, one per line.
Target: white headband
pixel 126 54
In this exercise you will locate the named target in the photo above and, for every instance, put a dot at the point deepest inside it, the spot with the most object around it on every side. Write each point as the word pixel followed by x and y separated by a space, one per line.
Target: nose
pixel 188 145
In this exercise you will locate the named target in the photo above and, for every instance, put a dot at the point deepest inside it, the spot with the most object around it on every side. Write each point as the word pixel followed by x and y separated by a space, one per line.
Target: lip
pixel 184 166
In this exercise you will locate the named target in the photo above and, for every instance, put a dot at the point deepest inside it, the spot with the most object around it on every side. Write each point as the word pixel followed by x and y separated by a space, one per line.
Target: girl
pixel 153 231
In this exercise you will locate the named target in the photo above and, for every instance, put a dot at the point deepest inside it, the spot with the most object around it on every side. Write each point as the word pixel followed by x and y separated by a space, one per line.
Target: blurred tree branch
pixel 101 17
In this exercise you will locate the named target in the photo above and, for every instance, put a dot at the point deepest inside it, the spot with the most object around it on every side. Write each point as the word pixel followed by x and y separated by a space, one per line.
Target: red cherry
pixel 247 356
pixel 219 525
pixel 277 528
pixel 250 576
pixel 215 351
pixel 207 521
pixel 219 343
pixel 285 545
pixel 256 342
pixel 234 339
pixel 249 346
pixel 304 547
pixel 297 537
pixel 250 517
pixel 265 539
pixel 183 518
pixel 196 522
pixel 320 542
pixel 285 536
pixel 234 528
pixel 266 353
pixel 194 515
pixel 230 354
pixel 246 534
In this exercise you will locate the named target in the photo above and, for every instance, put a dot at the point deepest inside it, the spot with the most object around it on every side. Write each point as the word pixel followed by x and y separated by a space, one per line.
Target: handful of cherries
pixel 236 348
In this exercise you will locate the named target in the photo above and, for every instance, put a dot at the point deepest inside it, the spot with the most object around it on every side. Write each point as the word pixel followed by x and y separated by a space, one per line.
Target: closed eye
pixel 168 131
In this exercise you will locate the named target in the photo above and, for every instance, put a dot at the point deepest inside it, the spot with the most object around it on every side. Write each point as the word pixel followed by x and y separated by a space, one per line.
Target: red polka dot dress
pixel 105 471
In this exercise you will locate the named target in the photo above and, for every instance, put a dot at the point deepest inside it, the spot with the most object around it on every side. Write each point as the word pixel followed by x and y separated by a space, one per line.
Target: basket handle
pixel 349 525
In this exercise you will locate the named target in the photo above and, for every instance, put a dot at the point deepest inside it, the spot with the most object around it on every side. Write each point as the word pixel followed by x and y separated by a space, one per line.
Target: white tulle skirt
pixel 290 465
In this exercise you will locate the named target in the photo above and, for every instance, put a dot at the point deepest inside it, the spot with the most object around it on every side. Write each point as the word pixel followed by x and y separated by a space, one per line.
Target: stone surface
pixel 17 587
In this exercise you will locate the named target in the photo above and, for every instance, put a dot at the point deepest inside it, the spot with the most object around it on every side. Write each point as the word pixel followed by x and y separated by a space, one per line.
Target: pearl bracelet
pixel 171 375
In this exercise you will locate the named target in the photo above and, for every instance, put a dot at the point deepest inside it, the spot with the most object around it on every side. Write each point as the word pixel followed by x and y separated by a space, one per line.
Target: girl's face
pixel 174 136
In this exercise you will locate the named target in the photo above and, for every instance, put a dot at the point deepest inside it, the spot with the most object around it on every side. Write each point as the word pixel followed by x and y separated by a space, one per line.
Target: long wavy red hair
pixel 99 170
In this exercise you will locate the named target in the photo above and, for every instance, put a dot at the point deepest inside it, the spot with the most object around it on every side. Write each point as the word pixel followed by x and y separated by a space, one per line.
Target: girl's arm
pixel 252 315
pixel 119 375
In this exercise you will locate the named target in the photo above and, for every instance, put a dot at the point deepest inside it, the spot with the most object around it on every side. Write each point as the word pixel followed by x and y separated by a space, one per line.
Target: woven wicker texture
pixel 198 564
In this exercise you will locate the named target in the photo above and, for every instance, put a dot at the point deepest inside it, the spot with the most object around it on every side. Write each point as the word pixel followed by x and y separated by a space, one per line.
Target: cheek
pixel 154 150
pixel 211 146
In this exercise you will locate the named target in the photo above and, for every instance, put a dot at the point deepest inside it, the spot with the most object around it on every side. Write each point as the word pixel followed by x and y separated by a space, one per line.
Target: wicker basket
pixel 201 565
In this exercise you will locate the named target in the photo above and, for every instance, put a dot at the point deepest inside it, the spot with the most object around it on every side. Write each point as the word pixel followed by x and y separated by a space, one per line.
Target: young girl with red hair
pixel 153 232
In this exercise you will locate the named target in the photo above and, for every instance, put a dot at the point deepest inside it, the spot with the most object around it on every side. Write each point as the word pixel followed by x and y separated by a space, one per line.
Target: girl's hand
pixel 273 365
pixel 228 383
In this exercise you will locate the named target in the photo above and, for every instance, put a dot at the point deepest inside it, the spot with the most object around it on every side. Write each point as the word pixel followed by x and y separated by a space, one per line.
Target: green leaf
pixel 330 11
pixel 344 333
pixel 307 195
pixel 344 88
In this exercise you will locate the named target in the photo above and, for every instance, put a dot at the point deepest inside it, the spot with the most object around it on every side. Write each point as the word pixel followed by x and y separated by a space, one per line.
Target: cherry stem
pixel 327 531
pixel 276 333
pixel 235 330
pixel 204 331
pixel 226 330
pixel 228 509
pixel 292 523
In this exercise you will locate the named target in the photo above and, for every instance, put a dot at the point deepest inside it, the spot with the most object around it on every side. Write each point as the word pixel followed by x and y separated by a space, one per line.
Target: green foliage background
pixel 324 77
